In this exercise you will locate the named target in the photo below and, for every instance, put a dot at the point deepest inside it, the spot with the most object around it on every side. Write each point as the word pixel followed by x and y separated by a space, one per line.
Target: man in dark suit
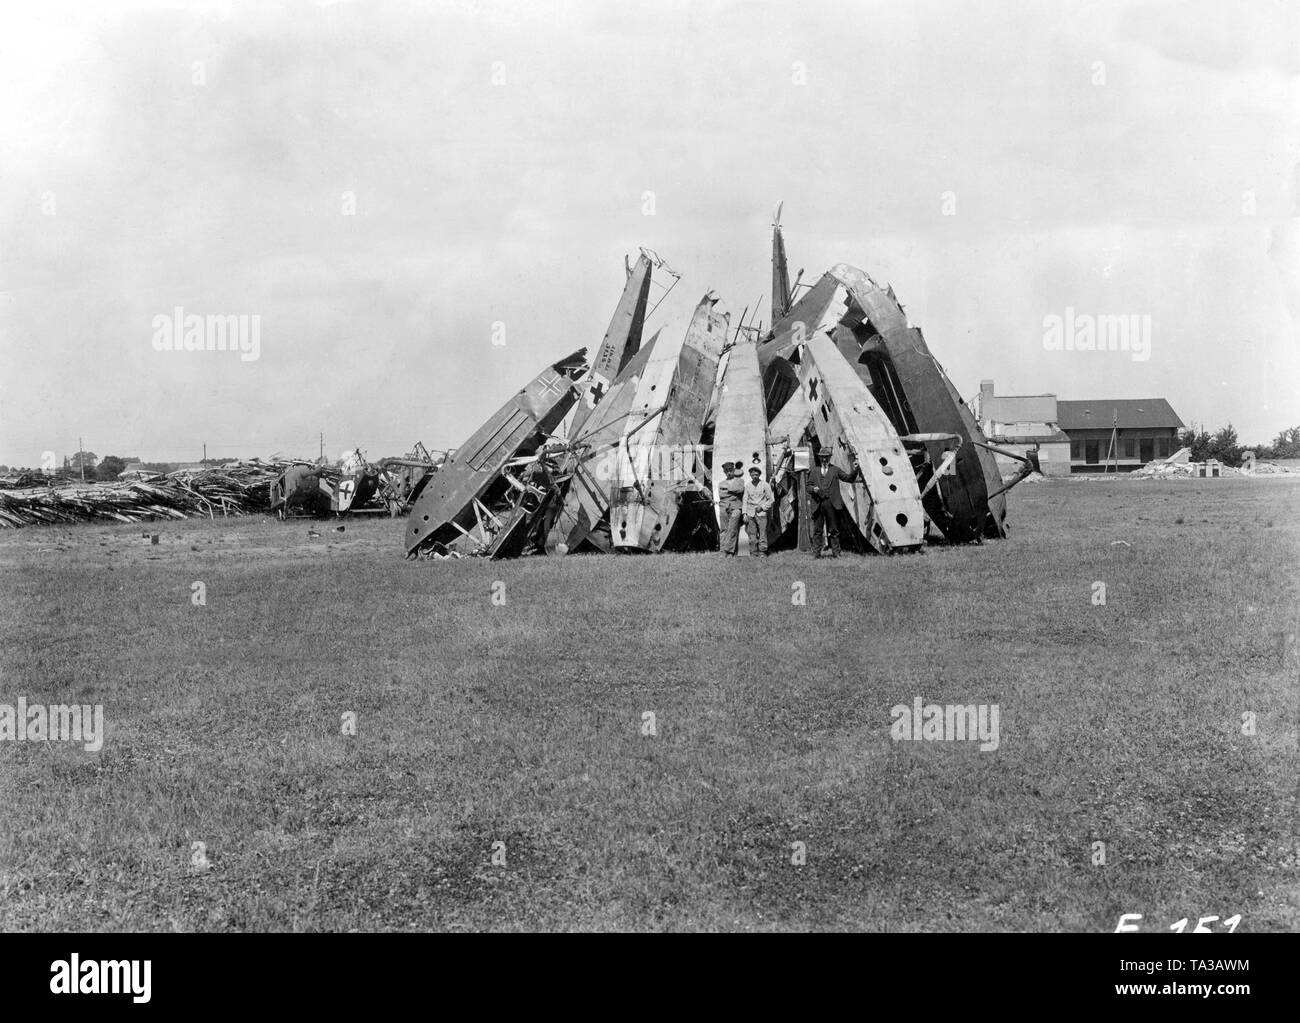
pixel 827 502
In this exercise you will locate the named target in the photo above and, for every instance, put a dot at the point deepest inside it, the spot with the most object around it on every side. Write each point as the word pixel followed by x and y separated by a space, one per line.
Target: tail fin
pixel 780 271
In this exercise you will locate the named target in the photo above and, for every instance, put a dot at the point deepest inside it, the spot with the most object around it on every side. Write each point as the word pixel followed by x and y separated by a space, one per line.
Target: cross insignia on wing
pixel 595 391
pixel 556 385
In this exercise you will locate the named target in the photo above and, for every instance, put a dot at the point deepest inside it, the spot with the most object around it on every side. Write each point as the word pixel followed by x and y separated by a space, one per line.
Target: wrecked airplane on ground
pixel 583 519
pixel 740 429
pixel 922 401
pixel 457 501
pixel 578 515
pixel 961 486
pixel 840 368
pixel 309 488
pixel 885 502
pixel 661 476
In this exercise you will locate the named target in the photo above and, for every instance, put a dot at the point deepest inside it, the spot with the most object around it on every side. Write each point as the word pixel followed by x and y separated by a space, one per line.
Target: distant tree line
pixel 1225 446
pixel 105 468
pixel 98 469
pixel 102 469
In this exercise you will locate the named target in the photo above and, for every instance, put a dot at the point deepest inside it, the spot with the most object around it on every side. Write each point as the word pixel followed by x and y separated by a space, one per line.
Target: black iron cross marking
pixel 812 389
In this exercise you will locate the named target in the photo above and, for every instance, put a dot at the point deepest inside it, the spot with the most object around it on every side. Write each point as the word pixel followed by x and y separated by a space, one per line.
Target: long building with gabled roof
pixel 1144 429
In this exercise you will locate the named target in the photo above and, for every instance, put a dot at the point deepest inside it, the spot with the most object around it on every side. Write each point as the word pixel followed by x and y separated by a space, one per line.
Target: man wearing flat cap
pixel 731 499
pixel 758 499
pixel 827 502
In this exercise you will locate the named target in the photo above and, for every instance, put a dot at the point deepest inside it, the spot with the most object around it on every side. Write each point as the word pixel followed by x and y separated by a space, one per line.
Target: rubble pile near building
pixel 1202 470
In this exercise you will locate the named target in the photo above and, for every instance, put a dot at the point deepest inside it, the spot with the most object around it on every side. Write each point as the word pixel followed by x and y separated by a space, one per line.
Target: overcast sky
pixel 1114 158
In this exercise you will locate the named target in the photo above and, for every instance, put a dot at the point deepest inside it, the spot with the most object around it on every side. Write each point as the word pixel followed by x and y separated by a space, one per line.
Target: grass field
pixel 521 722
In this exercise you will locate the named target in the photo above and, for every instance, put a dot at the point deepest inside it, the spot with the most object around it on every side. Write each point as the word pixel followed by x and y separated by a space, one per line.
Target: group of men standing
pixel 747 501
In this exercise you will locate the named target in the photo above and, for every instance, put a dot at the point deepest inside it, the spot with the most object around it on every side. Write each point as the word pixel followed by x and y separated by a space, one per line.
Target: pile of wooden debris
pixel 236 488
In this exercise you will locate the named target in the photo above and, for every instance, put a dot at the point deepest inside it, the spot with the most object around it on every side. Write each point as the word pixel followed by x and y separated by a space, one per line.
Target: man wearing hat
pixel 758 499
pixel 731 498
pixel 827 502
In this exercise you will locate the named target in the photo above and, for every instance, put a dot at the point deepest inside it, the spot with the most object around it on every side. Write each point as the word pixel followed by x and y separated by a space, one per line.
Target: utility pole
pixel 322 443
pixel 205 454
pixel 81 457
pixel 1112 449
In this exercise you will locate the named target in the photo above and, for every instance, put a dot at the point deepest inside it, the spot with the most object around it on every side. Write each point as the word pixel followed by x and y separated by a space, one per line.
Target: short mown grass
pixel 522 723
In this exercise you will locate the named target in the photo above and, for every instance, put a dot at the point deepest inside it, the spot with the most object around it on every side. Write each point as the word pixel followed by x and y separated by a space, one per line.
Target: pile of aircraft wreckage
pixel 650 424
pixel 356 486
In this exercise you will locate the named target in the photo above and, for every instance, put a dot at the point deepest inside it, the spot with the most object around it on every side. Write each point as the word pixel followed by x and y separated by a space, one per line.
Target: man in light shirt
pixel 758 499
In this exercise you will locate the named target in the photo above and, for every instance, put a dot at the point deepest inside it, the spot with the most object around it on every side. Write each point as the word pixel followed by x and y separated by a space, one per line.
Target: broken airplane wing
pixel 621 341
pixel 452 502
pixel 583 518
pixel 658 467
pixel 886 504
pixel 740 433
pixel 922 400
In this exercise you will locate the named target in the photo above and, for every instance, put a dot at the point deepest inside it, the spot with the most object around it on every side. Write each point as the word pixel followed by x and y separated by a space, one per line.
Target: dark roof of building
pixel 1127 413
